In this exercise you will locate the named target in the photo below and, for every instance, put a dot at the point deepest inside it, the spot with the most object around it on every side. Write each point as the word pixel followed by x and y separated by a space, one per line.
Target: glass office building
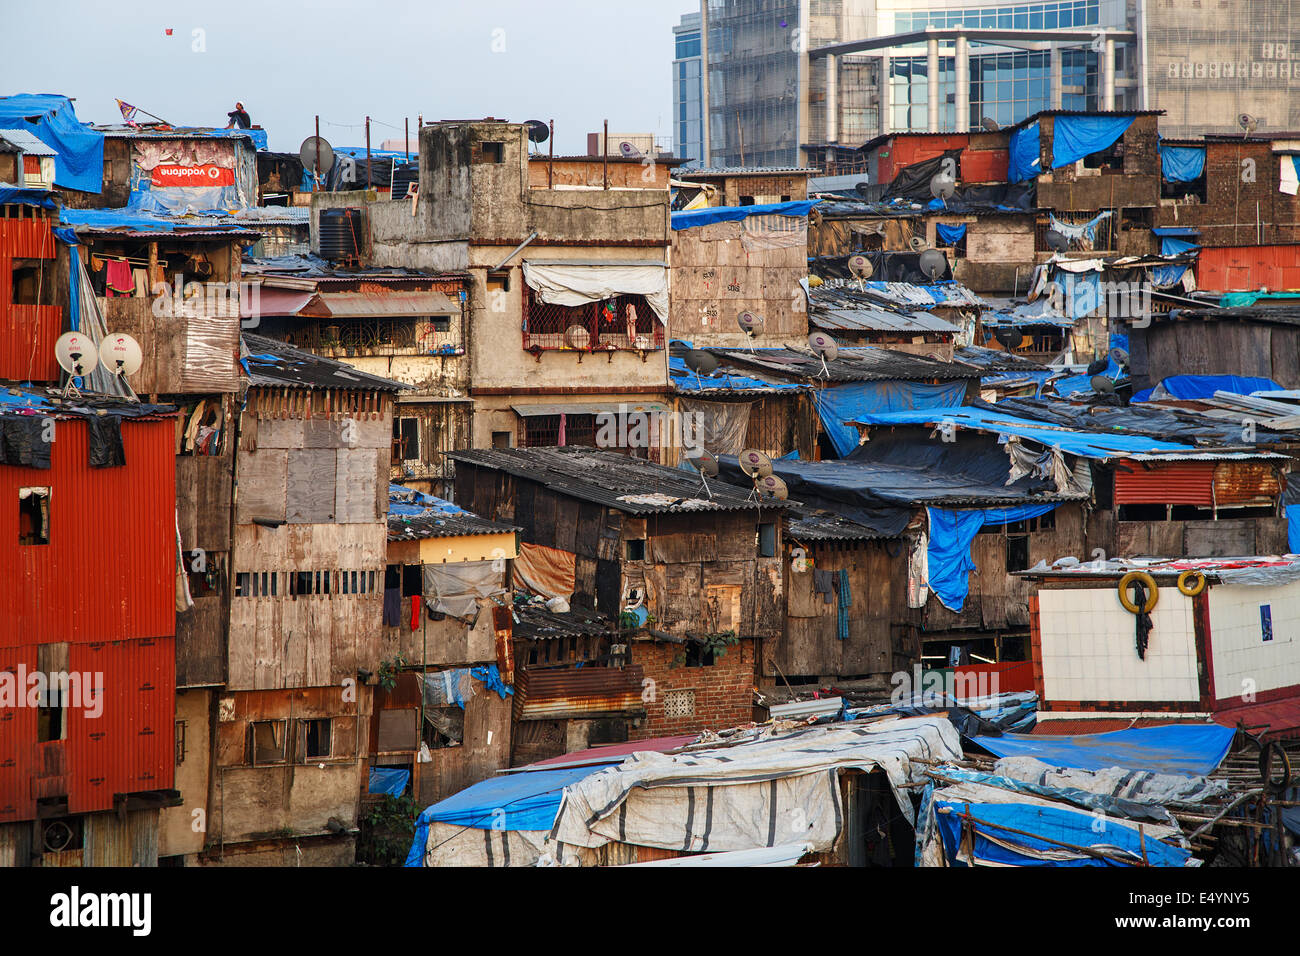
pixel 688 91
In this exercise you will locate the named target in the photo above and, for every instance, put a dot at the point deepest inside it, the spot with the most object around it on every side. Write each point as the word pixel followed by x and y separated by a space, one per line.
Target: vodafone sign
pixel 170 175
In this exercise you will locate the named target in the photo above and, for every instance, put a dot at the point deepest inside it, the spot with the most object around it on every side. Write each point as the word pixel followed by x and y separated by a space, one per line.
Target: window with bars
pixel 625 322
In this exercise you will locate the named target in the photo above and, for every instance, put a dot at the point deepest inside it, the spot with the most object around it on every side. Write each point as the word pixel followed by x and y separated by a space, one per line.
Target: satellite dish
pixel 1247 123
pixel 933 263
pixel 860 267
pixel 989 124
pixel 308 151
pixel 1102 385
pixel 704 462
pixel 701 362
pixel 538 132
pixel 826 349
pixel 76 354
pixel 1119 356
pixel 942 186
pixel 1098 366
pixel 755 464
pixel 577 337
pixel 120 354
pixel 751 323
pixel 1009 337
pixel 919 244
pixel 1056 241
pixel 773 485
pixel 628 150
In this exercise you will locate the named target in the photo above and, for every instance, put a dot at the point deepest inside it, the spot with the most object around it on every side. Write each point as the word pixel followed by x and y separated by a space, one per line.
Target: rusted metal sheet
pixel 108 571
pixel 548 693
pixel 1242 482
pixel 1248 268
pixel 1183 483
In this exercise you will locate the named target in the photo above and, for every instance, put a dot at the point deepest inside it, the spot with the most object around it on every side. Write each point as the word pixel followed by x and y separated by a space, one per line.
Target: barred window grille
pixel 625 322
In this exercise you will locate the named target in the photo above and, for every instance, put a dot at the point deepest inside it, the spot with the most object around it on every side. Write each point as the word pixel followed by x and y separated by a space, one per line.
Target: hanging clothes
pixel 392 607
pixel 118 278
pixel 842 609
pixel 415 612
pixel 823 584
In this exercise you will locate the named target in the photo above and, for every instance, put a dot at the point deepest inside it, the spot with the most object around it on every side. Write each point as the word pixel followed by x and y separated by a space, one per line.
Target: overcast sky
pixel 578 62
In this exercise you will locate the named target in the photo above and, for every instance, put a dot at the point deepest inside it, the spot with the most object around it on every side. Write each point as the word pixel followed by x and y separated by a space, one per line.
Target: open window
pixel 266 743
pixel 33 516
pixel 406 439
pixel 490 153
pixel 27 276
pixel 315 740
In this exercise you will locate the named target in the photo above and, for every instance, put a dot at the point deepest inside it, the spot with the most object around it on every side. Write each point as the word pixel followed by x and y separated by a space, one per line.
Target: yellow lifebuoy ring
pixel 1194 590
pixel 1153 592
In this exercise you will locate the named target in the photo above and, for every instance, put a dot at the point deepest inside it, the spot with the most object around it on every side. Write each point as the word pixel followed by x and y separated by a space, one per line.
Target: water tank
pixel 342 233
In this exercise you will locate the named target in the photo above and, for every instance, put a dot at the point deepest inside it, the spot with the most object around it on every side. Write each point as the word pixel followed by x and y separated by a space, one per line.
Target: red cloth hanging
pixel 118 277
pixel 415 612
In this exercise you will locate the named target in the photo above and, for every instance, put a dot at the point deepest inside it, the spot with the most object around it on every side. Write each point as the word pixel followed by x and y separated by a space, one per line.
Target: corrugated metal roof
pixel 536 623
pixel 274 363
pixel 807 524
pixel 438 524
pixel 349 304
pixel 742 171
pixel 27 142
pixel 867 364
pixel 617 481
pixel 551 693
pixel 841 306
pixel 589 408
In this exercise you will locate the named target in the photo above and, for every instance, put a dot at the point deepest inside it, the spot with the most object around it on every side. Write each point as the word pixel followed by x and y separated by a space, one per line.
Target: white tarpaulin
pixel 763 793
pixel 579 283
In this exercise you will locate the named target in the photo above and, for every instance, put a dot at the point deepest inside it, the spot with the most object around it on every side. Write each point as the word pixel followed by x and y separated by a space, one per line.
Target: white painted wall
pixel 1089 651
pixel 1238 647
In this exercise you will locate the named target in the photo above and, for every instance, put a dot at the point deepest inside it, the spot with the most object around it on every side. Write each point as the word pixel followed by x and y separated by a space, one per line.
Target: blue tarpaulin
pixel 127 219
pixel 843 403
pixel 950 235
pixel 26 197
pixel 1074 137
pixel 685 380
pixel 687 219
pixel 951 534
pixel 1186 749
pixel 79 163
pixel 389 780
pixel 1169 246
pixel 1192 387
pixel 1095 445
pixel 1181 164
pixel 516 801
pixel 995 845
pixel 1022 159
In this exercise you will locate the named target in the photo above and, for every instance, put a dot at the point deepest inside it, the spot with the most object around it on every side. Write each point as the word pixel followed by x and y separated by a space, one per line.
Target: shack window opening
pixel 243 587
pixel 314 737
pixel 26 284
pixel 33 516
pixel 51 723
pixel 440 323
pixel 636 550
pixel 1017 552
pixel 266 739
pixel 699 654
pixel 767 540
pixel 491 153
pixel 502 439
pixel 412 580
pixel 180 742
pixel 205 572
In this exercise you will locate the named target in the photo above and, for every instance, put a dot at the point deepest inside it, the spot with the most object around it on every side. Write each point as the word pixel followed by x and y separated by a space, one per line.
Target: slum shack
pixel 89 524
pixel 447 631
pixel 693 569
pixel 401 324
pixel 1166 639
pixel 306 612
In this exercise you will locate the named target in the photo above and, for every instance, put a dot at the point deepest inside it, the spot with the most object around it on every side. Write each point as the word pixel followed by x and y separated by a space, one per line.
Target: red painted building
pixel 30 285
pixel 88 544
pixel 1275 268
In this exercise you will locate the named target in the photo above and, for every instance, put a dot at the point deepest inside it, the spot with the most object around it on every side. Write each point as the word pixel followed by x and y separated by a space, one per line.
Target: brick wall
pixel 723 692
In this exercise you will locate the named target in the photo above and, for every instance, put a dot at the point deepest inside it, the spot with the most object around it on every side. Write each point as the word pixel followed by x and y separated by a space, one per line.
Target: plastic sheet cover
pixel 454 589
pixel 844 403
pixel 1182 749
pixel 951 535
pixel 1181 164
pixel 724 424
pixel 389 780
pixel 79 163
pixel 688 219
pixel 1023 154
pixel 1074 137
pixel 950 235
pixel 573 284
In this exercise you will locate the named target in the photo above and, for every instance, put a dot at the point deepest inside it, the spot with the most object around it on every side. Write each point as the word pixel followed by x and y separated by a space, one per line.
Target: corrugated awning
pixel 274 302
pixel 327 305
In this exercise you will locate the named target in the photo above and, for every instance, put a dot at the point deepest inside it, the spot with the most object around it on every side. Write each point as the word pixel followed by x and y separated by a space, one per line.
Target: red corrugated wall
pixel 119 741
pixel 904 151
pixel 1248 268
pixel 27 332
pixel 108 572
pixel 1183 483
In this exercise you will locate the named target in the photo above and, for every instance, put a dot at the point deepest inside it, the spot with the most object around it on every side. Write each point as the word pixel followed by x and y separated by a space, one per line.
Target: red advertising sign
pixel 166 174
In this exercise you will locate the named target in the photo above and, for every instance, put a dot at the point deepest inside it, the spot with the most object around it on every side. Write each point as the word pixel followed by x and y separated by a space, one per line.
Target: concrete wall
pixel 183 829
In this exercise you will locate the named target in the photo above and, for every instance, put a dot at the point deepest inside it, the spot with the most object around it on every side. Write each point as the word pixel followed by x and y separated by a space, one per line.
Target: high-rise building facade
pixel 781 74
pixel 688 91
